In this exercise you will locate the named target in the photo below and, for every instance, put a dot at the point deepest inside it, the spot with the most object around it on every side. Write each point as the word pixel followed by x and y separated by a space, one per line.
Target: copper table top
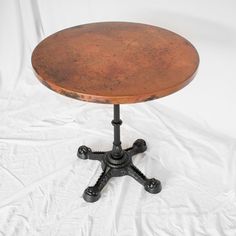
pixel 115 62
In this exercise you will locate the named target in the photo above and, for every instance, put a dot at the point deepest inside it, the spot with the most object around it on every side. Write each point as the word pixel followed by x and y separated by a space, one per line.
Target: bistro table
pixel 115 63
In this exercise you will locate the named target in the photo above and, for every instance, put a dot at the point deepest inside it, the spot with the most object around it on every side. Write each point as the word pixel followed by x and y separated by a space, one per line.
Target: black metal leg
pixel 150 185
pixel 85 152
pixel 117 162
pixel 139 146
pixel 93 193
pixel 134 172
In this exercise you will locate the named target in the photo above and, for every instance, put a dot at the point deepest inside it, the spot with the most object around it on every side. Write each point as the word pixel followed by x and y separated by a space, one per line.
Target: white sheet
pixel 190 135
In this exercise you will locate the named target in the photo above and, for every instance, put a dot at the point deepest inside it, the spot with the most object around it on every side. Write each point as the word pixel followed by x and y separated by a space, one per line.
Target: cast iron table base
pixel 117 162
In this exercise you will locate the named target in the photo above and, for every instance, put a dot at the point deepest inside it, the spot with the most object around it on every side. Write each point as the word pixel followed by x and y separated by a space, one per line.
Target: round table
pixel 115 63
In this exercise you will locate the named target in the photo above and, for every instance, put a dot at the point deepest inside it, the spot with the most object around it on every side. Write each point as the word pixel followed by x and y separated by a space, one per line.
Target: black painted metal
pixel 117 151
pixel 117 162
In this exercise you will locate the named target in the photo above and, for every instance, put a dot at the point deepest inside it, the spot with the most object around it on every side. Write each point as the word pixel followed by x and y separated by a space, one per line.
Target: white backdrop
pixel 191 134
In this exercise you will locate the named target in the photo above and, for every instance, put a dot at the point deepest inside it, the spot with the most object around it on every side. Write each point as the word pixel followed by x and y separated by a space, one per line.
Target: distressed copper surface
pixel 115 62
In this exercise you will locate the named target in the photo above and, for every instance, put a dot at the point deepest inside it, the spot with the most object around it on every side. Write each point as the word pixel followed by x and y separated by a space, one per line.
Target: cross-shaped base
pixel 114 166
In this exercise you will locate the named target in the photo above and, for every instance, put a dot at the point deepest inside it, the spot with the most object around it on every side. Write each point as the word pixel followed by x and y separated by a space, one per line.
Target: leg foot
pixel 83 152
pixel 91 194
pixel 152 186
pixel 140 145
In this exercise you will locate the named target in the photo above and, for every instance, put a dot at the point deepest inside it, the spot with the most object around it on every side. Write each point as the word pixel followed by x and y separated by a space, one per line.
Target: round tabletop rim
pixel 116 99
pixel 113 99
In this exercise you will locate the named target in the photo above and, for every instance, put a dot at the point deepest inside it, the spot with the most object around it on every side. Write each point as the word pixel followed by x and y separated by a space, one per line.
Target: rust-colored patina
pixel 115 62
